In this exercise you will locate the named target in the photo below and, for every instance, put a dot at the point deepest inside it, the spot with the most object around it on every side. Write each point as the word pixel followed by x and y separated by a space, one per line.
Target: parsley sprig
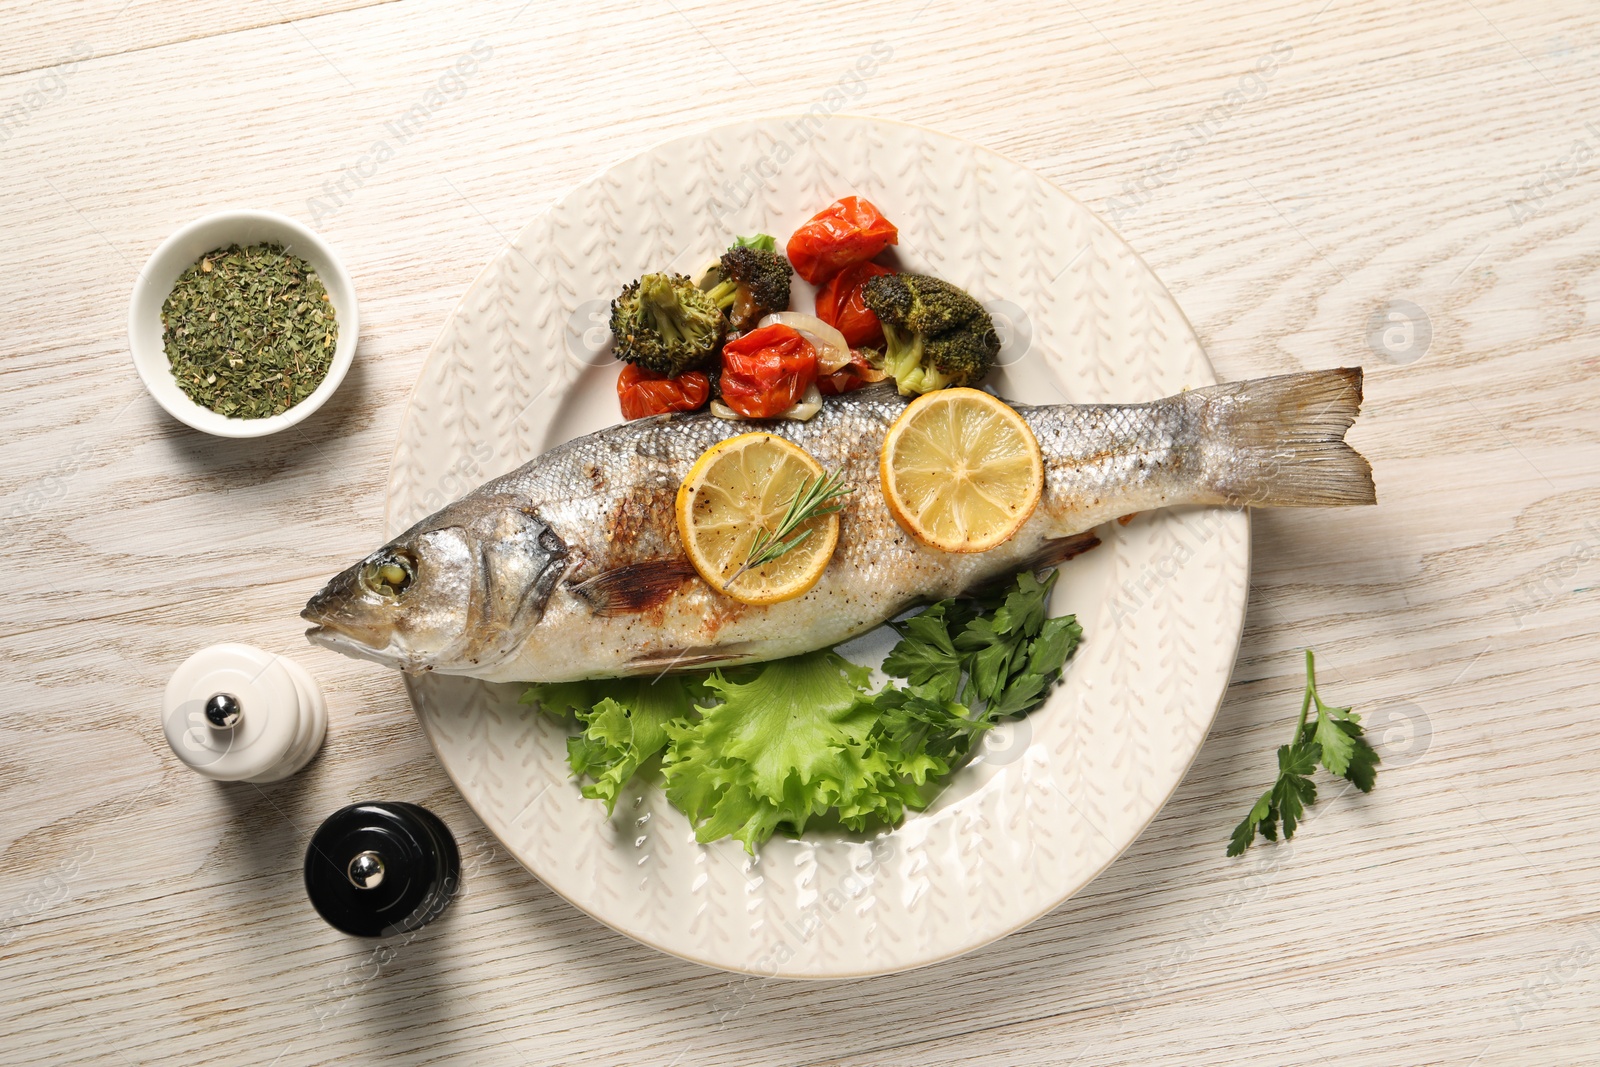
pixel 1001 653
pixel 970 664
pixel 1336 740
pixel 815 498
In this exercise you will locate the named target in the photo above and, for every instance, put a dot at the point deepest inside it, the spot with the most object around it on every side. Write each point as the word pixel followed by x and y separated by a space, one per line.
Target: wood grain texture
pixel 1436 153
pixel 48 34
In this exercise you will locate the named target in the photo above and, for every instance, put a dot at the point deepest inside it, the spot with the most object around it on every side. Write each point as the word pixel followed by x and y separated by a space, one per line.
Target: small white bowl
pixel 176 255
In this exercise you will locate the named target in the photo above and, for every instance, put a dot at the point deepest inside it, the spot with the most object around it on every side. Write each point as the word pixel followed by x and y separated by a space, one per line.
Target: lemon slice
pixel 737 488
pixel 961 470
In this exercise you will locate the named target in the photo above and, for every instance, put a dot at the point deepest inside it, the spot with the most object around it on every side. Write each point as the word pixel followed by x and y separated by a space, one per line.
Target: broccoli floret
pixel 935 334
pixel 751 280
pixel 666 324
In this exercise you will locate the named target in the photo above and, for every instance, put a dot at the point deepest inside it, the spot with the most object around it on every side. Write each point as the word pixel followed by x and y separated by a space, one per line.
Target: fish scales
pixel 572 566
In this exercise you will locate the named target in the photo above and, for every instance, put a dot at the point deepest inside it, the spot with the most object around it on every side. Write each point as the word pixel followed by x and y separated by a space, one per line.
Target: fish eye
pixel 389 573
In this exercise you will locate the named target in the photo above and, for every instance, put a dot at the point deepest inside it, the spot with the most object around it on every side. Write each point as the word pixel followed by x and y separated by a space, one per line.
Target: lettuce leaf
pixel 624 724
pixel 793 742
pixel 754 751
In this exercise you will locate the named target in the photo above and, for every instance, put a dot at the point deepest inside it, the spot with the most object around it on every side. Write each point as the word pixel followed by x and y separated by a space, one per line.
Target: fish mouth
pixel 326 631
pixel 337 641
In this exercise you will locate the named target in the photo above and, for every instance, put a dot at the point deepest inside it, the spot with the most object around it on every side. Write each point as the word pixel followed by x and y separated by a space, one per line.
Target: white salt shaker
pixel 237 713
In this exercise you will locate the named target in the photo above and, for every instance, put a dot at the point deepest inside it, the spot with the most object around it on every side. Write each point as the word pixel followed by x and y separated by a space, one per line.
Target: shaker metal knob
pixel 381 868
pixel 203 713
pixel 223 711
pixel 366 870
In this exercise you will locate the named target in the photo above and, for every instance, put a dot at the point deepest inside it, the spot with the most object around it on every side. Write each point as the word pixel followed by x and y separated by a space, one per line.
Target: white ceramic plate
pixel 522 366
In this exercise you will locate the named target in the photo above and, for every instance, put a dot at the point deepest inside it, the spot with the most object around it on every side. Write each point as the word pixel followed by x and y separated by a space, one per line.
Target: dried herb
pixel 249 332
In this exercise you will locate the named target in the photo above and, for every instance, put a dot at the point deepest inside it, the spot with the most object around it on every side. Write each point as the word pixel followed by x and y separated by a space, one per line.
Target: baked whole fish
pixel 571 566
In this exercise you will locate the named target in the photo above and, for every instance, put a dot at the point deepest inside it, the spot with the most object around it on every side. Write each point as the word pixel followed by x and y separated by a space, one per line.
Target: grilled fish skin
pixel 571 566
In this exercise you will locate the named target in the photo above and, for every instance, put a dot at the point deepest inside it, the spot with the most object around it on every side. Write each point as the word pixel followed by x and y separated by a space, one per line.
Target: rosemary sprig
pixel 814 499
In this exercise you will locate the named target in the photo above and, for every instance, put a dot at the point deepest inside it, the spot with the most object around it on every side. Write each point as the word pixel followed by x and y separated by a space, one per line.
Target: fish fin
pixel 1059 550
pixel 1284 437
pixel 682 659
pixel 1055 551
pixel 633 587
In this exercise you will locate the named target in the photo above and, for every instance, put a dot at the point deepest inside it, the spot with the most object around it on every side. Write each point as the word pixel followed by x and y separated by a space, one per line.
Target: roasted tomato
pixel 765 371
pixel 852 375
pixel 839 305
pixel 644 392
pixel 846 232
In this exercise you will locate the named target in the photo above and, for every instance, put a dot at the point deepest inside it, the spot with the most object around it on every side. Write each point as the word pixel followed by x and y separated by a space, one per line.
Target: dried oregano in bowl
pixel 249 332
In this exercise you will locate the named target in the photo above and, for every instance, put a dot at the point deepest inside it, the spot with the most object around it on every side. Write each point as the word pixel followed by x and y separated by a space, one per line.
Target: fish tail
pixel 1283 439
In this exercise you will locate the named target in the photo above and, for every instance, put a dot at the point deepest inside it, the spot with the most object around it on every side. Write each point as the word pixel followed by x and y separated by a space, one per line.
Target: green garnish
pixel 1336 740
pixel 814 499
pixel 624 724
pixel 788 745
pixel 1000 653
pixel 249 332
pixel 756 750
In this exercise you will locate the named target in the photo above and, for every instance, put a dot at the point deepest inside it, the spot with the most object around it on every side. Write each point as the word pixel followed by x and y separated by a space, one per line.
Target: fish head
pixel 455 593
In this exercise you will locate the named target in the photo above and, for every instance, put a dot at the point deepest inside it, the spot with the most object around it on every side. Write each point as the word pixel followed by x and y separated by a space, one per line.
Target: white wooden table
pixel 1295 171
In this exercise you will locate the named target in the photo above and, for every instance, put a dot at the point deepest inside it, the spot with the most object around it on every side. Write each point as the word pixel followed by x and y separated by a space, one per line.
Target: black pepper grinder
pixel 377 868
